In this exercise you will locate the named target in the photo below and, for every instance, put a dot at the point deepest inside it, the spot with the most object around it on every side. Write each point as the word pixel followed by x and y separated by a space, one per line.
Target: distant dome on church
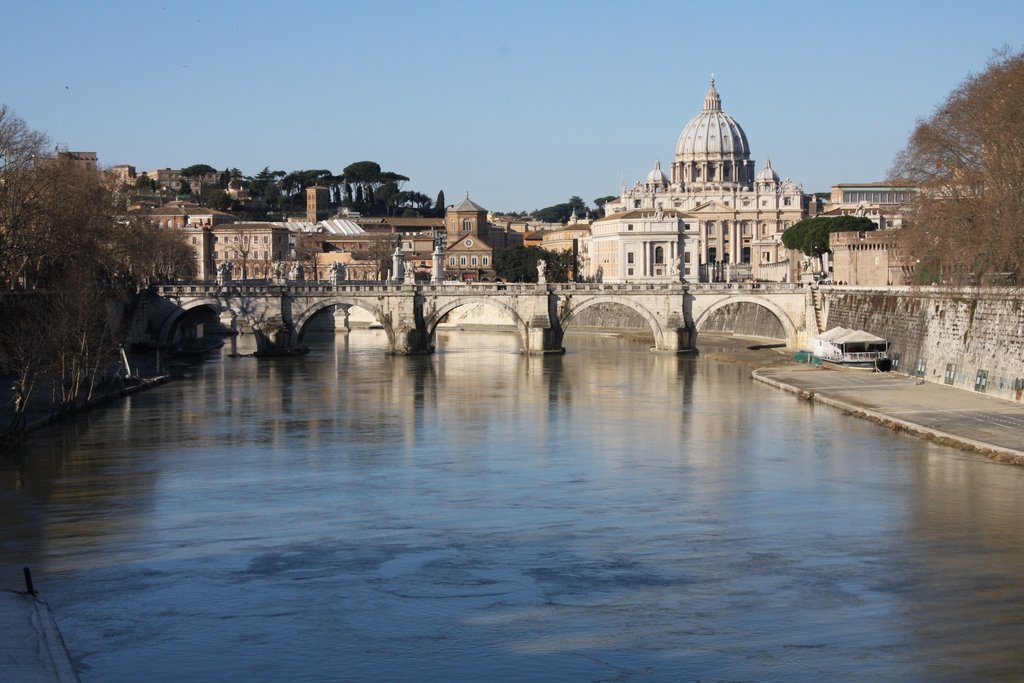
pixel 712 132
pixel 768 174
pixel 657 176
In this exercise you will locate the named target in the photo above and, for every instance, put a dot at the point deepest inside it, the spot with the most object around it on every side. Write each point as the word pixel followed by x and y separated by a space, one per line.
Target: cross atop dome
pixel 712 102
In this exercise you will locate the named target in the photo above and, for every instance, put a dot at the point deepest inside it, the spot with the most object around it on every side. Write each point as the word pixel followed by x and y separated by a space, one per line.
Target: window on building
pixel 787 201
pixel 629 271
pixel 462 260
pixel 485 260
pixel 629 257
pixel 659 255
pixel 686 257
pixel 745 228
pixel 467 225
pixel 473 260
pixel 629 226
pixel 745 255
pixel 451 260
pixel 636 203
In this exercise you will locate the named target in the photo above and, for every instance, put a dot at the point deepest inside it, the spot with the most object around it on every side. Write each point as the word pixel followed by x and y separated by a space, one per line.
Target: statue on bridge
pixel 336 273
pixel 224 272
pixel 297 273
pixel 541 265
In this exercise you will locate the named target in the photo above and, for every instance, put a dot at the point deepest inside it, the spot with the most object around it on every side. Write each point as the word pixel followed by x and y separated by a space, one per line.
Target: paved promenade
pixel 956 417
pixel 31 647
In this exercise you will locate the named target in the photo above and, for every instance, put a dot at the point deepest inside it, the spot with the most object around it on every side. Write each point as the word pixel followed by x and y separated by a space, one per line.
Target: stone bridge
pixel 277 314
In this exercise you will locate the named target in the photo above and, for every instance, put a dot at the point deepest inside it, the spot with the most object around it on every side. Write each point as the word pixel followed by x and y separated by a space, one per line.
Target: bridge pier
pixel 341 321
pixel 542 339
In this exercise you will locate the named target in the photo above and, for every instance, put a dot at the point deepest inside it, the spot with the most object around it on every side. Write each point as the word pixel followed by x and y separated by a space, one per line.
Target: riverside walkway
pixel 964 419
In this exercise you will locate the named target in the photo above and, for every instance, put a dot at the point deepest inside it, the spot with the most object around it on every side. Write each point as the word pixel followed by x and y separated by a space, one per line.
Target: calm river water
pixel 608 515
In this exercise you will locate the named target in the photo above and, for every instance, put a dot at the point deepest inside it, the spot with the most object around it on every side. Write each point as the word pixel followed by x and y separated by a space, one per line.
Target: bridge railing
pixel 746 286
pixel 364 286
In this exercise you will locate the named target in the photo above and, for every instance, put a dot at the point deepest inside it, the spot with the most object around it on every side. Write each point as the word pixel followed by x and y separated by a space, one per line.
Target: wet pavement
pixel 970 420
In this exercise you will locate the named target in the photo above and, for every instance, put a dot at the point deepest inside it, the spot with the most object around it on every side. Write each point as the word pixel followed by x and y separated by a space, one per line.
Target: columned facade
pixel 737 215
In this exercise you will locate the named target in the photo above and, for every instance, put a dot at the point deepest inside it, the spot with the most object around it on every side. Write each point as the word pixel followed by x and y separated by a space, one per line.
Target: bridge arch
pixel 299 323
pixel 790 328
pixel 434 317
pixel 575 308
pixel 171 323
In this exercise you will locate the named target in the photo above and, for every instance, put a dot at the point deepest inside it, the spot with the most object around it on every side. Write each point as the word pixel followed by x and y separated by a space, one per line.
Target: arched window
pixel 659 255
pixel 467 225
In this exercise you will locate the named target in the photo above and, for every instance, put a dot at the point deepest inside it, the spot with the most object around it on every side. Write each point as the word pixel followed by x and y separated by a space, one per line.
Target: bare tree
pixel 967 161
pixel 377 256
pixel 74 256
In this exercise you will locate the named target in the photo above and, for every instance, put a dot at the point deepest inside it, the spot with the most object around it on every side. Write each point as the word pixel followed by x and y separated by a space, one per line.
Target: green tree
pixel 519 264
pixel 145 183
pixel 560 213
pixel 218 199
pixel 265 185
pixel 439 205
pixel 197 170
pixel 811 235
pixel 601 201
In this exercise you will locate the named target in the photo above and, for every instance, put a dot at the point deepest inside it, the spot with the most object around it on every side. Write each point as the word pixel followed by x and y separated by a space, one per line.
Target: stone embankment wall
pixel 972 338
pixel 745 319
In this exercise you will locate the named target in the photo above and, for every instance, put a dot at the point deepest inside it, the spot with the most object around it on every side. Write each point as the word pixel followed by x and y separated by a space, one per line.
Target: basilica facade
pixel 730 215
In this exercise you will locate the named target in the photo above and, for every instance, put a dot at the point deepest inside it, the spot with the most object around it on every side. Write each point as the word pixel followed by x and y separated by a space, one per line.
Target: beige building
pixel 641 245
pixel 872 258
pixel 472 241
pixel 85 161
pixel 253 249
pixel 884 203
pixel 181 214
pixel 737 215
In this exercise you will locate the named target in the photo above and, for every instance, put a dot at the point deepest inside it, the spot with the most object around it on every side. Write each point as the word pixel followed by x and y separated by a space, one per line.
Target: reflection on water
pixel 610 514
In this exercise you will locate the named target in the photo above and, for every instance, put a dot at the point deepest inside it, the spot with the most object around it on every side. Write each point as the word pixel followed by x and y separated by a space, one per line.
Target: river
pixel 606 515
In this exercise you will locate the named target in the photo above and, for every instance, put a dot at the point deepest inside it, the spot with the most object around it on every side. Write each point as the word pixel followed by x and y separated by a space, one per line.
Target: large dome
pixel 712 133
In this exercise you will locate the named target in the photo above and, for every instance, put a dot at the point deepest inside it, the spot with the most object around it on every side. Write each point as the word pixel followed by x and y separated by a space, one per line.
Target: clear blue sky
pixel 523 104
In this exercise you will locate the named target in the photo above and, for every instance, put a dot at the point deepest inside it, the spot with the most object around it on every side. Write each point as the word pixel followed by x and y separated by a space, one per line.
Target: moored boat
pixel 853 349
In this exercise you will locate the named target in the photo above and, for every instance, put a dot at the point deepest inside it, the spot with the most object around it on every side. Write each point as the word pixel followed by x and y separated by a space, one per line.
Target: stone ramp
pixel 31 647
pixel 956 417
